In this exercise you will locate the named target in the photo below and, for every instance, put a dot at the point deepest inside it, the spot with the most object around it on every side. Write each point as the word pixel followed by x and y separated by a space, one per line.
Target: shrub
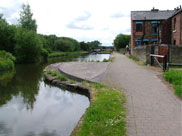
pixel 28 46
pixel 6 61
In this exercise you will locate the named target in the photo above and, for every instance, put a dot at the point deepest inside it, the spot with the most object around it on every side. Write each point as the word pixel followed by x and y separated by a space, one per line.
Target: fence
pixel 173 53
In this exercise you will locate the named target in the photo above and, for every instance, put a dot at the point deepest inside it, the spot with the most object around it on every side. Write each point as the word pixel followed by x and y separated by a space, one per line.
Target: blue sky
pixel 84 20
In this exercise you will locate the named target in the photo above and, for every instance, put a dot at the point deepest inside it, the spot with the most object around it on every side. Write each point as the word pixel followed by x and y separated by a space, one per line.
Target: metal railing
pixel 164 61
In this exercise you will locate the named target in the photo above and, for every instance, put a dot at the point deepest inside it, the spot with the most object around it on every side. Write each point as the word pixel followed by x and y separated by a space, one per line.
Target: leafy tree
pixel 94 44
pixel 66 44
pixel 7 33
pixel 84 46
pixel 50 42
pixel 26 20
pixel 63 45
pixel 28 46
pixel 121 41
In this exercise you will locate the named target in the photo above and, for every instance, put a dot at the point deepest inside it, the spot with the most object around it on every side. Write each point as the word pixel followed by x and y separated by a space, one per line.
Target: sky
pixel 83 20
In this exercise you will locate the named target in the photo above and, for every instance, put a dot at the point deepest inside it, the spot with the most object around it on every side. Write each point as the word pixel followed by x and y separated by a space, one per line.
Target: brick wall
pixel 181 27
pixel 164 35
pixel 166 32
pixel 176 34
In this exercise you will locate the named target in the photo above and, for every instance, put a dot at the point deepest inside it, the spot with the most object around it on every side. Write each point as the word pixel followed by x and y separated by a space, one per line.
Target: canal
pixel 30 107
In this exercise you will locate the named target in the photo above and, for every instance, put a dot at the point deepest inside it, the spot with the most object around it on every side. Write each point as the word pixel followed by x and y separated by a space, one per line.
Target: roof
pixel 152 15
pixel 178 11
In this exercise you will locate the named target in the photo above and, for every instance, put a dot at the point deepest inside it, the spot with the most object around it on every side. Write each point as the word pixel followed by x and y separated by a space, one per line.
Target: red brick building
pixel 176 31
pixel 156 27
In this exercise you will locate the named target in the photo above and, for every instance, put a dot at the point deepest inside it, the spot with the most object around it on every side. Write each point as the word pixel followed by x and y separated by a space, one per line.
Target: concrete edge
pixel 78 79
pixel 78 88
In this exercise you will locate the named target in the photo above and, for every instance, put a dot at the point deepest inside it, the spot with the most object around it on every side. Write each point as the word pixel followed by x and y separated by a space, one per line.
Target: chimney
pixel 154 9
pixel 180 6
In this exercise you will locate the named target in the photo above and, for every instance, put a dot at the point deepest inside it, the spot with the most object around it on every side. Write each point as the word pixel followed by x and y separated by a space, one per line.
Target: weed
pixel 61 77
pixel 134 58
pixel 72 82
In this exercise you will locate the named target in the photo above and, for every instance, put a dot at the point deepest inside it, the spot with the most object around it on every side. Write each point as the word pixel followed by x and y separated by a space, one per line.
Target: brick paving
pixel 152 108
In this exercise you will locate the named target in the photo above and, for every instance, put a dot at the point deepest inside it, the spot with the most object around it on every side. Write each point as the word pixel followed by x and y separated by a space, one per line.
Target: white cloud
pixel 83 19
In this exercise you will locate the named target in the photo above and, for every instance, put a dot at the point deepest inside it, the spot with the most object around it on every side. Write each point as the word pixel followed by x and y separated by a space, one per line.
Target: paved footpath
pixel 153 109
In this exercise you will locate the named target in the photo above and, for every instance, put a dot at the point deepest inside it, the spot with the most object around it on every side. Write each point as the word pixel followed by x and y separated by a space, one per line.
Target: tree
pixel 7 33
pixel 28 46
pixel 121 41
pixel 63 45
pixel 84 46
pixel 26 20
pixel 66 44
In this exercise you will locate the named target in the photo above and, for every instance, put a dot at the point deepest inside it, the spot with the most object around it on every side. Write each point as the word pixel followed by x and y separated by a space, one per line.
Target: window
pixel 138 42
pixel 145 41
pixel 138 27
pixel 154 41
pixel 154 28
pixel 174 42
pixel 174 24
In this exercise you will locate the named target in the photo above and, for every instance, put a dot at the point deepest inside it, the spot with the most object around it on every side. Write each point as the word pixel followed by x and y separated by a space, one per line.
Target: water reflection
pixel 24 83
pixel 55 112
pixel 29 107
pixel 94 57
pixel 6 77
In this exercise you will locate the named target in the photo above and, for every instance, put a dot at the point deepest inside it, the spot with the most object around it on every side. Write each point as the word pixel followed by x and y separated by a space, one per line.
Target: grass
pixel 57 75
pixel 175 77
pixel 61 78
pixel 106 115
pixel 59 53
pixel 72 81
pixel 134 58
pixel 106 60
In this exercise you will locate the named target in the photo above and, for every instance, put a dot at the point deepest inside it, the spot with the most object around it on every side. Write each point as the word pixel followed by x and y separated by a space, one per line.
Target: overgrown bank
pixel 106 114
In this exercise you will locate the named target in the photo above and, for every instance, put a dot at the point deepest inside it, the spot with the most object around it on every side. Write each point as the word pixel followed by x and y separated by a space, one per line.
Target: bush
pixel 6 61
pixel 44 54
pixel 28 46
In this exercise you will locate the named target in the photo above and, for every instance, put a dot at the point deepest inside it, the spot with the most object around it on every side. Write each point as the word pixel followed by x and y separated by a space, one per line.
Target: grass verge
pixel 106 114
pixel 175 77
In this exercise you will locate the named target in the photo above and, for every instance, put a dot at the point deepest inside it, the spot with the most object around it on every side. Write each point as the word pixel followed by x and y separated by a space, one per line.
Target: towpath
pixel 153 109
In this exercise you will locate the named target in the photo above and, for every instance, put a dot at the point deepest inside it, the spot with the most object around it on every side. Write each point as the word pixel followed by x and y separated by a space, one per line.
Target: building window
pixel 139 26
pixel 154 41
pixel 174 42
pixel 145 41
pixel 138 42
pixel 154 28
pixel 174 24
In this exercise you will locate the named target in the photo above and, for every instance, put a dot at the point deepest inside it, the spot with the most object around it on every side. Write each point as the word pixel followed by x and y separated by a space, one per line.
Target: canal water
pixel 30 107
